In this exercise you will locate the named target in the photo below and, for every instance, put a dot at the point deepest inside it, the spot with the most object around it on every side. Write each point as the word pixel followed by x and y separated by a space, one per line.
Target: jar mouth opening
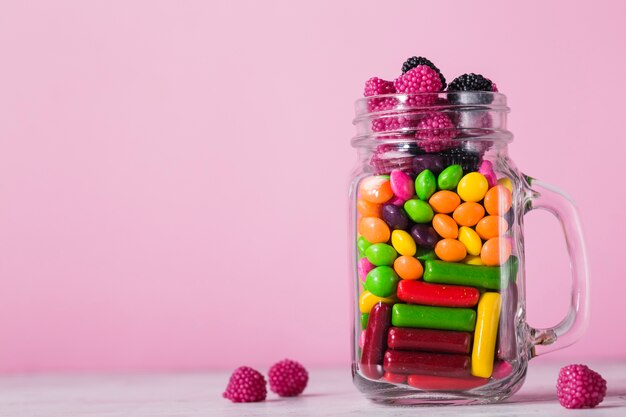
pixel 449 100
pixel 453 115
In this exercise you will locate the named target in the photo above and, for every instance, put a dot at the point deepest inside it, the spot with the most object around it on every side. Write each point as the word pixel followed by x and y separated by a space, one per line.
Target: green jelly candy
pixel 450 177
pixel 362 244
pixel 427 317
pixel 382 281
pixel 425 184
pixel 364 318
pixel 487 277
pixel 424 254
pixel 419 211
pixel 381 254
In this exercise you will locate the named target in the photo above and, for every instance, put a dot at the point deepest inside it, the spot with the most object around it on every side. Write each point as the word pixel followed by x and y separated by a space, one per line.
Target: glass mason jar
pixel 437 252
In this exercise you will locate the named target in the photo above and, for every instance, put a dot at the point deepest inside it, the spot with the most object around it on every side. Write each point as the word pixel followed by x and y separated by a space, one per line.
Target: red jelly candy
pixel 432 382
pixel 444 341
pixel 375 341
pixel 443 364
pixel 420 292
pixel 395 378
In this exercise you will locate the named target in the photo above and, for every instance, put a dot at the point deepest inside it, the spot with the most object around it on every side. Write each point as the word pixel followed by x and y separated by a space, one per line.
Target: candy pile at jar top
pixel 411 107
pixel 434 259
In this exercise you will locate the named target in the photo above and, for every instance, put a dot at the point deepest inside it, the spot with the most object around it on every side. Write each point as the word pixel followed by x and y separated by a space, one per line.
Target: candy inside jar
pixel 431 319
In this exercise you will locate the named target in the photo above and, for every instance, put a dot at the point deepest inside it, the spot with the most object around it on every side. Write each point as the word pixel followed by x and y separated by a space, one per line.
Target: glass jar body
pixel 437 256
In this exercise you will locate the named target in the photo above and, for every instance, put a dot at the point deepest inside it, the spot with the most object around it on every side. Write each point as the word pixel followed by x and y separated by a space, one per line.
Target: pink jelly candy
pixel 486 168
pixel 401 184
pixel 364 267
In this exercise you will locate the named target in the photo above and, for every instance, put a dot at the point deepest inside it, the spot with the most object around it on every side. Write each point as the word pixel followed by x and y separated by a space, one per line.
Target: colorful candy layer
pixel 429 246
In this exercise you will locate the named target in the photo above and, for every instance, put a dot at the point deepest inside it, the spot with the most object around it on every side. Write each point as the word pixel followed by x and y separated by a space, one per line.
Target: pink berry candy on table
pixel 246 385
pixel 288 378
pixel 580 387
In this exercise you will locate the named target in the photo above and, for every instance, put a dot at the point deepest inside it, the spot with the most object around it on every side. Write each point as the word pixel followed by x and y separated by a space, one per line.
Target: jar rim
pixel 448 100
pixel 470 115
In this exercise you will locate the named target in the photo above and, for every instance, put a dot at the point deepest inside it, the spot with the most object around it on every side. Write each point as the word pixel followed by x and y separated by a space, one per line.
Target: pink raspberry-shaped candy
pixel 385 124
pixel 246 385
pixel 376 86
pixel 435 133
pixel 580 387
pixel 288 378
pixel 421 79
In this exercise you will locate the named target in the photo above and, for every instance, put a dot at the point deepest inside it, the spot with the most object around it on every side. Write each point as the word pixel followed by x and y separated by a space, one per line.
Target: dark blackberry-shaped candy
pixel 468 160
pixel 471 82
pixel 414 61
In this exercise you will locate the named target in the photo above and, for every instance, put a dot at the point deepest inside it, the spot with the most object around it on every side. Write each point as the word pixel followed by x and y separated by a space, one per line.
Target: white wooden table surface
pixel 330 393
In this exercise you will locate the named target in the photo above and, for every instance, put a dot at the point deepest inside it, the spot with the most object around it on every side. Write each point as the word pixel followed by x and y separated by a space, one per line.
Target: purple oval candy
pixel 428 161
pixel 395 217
pixel 424 235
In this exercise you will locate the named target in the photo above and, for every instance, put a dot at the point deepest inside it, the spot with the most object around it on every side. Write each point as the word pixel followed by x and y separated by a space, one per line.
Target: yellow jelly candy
pixel 403 243
pixel 471 240
pixel 472 187
pixel 487 317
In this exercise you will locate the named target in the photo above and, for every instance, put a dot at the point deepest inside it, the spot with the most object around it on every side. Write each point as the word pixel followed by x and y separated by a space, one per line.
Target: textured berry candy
pixel 246 385
pixel 288 378
pixel 580 387
pixel 421 79
pixel 414 61
pixel 435 133
pixel 375 87
pixel 471 82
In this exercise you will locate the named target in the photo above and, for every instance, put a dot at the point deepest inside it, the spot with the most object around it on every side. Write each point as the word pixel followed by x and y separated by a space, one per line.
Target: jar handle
pixel 570 329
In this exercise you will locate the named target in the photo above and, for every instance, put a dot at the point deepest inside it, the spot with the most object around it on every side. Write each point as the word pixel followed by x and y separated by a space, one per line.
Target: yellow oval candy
pixel 507 183
pixel 403 243
pixel 367 300
pixel 472 260
pixel 471 240
pixel 472 187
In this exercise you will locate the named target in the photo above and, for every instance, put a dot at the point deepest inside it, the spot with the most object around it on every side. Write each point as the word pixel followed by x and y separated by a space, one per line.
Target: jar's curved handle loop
pixel 570 329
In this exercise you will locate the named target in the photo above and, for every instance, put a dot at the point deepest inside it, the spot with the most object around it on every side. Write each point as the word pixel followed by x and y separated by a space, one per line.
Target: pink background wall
pixel 173 174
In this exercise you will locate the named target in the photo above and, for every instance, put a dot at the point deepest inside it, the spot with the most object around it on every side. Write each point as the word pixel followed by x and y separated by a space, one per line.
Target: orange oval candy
pixel 468 214
pixel 498 200
pixel 495 251
pixel 374 230
pixel 444 201
pixel 375 189
pixel 408 267
pixel 491 226
pixel 367 209
pixel 445 226
pixel 450 250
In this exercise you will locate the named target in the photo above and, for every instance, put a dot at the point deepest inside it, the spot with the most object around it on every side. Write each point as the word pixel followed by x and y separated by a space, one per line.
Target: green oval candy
pixel 419 211
pixel 382 281
pixel 362 244
pixel 424 254
pixel 364 318
pixel 425 184
pixel 381 254
pixel 450 177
